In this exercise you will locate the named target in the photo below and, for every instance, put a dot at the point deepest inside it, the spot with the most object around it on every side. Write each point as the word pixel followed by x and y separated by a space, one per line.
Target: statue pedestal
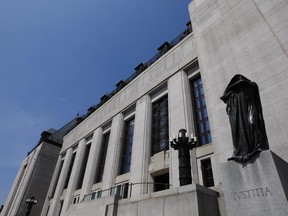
pixel 256 188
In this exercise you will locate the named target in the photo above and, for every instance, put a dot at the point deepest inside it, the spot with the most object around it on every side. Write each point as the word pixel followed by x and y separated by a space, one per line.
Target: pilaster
pixel 113 151
pixel 52 185
pixel 74 175
pixel 24 181
pixel 15 186
pixel 55 204
pixel 141 142
pixel 180 116
pixel 92 162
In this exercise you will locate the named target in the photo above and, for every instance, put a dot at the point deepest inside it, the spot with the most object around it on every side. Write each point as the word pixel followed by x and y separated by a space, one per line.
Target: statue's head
pixel 234 82
pixel 237 77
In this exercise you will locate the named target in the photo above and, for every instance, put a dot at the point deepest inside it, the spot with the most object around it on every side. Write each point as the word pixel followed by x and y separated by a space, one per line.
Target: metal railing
pixel 123 190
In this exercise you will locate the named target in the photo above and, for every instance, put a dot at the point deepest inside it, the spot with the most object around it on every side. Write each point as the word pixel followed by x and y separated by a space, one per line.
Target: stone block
pixel 158 162
pixel 282 35
pixel 152 207
pixel 190 200
pixel 170 61
pixel 101 207
pixel 256 188
pixel 128 209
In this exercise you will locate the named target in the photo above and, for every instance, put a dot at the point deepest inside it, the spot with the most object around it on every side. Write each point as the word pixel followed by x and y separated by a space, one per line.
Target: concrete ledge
pixel 187 200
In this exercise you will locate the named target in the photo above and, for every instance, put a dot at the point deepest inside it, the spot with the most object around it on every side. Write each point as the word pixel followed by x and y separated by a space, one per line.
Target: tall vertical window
pixel 127 147
pixel 102 158
pixel 70 170
pixel 202 122
pixel 207 173
pixel 83 167
pixel 160 126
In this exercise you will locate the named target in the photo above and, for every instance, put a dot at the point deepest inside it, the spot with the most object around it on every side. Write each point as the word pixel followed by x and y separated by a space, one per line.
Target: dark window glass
pixel 127 147
pixel 75 200
pixel 83 167
pixel 70 170
pixel 118 190
pixel 93 195
pixel 202 122
pixel 160 126
pixel 161 182
pixel 96 195
pixel 102 158
pixel 57 179
pixel 99 194
pixel 125 190
pixel 207 173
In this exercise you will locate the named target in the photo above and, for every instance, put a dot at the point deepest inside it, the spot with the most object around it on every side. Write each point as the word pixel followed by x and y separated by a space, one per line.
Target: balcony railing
pixel 123 191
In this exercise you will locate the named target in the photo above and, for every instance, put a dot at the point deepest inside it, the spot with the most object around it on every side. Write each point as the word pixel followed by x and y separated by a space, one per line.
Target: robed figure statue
pixel 246 119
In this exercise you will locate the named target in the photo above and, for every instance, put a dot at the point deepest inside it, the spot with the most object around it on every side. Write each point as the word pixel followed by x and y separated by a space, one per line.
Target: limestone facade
pixel 35 173
pixel 229 37
pixel 170 76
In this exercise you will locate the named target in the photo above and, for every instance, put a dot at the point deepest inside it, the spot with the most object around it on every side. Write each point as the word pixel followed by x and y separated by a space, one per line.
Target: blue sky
pixel 58 57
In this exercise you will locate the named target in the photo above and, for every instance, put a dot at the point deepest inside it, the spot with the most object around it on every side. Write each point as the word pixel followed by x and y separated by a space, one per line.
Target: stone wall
pixel 174 60
pixel 248 37
pixel 190 200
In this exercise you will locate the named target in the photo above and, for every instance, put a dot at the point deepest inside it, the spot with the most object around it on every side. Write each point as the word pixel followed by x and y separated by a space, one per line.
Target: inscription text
pixel 252 193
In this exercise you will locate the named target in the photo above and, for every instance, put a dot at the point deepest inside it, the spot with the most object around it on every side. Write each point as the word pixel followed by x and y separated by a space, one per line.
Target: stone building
pixel 118 160
pixel 35 173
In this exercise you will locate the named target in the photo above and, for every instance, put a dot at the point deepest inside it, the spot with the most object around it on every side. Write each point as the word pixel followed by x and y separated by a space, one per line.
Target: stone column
pixel 113 152
pixel 74 175
pixel 92 163
pixel 180 116
pixel 32 160
pixel 13 189
pixel 141 146
pixel 55 204
pixel 15 186
pixel 52 185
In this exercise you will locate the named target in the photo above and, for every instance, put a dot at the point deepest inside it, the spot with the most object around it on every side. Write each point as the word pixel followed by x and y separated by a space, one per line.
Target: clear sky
pixel 58 57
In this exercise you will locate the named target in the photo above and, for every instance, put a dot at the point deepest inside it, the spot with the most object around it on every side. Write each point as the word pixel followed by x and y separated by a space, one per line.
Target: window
pixel 207 173
pixel 102 158
pixel 160 128
pixel 125 188
pixel 83 167
pixel 70 170
pixel 127 147
pixel 76 199
pixel 96 195
pixel 200 110
pixel 120 190
pixel 161 182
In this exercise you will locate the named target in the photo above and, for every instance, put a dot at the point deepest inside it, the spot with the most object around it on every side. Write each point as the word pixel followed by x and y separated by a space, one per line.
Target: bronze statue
pixel 246 119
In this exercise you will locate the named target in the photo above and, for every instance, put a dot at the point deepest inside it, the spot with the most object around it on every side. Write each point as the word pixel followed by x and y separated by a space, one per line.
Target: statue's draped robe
pixel 246 119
